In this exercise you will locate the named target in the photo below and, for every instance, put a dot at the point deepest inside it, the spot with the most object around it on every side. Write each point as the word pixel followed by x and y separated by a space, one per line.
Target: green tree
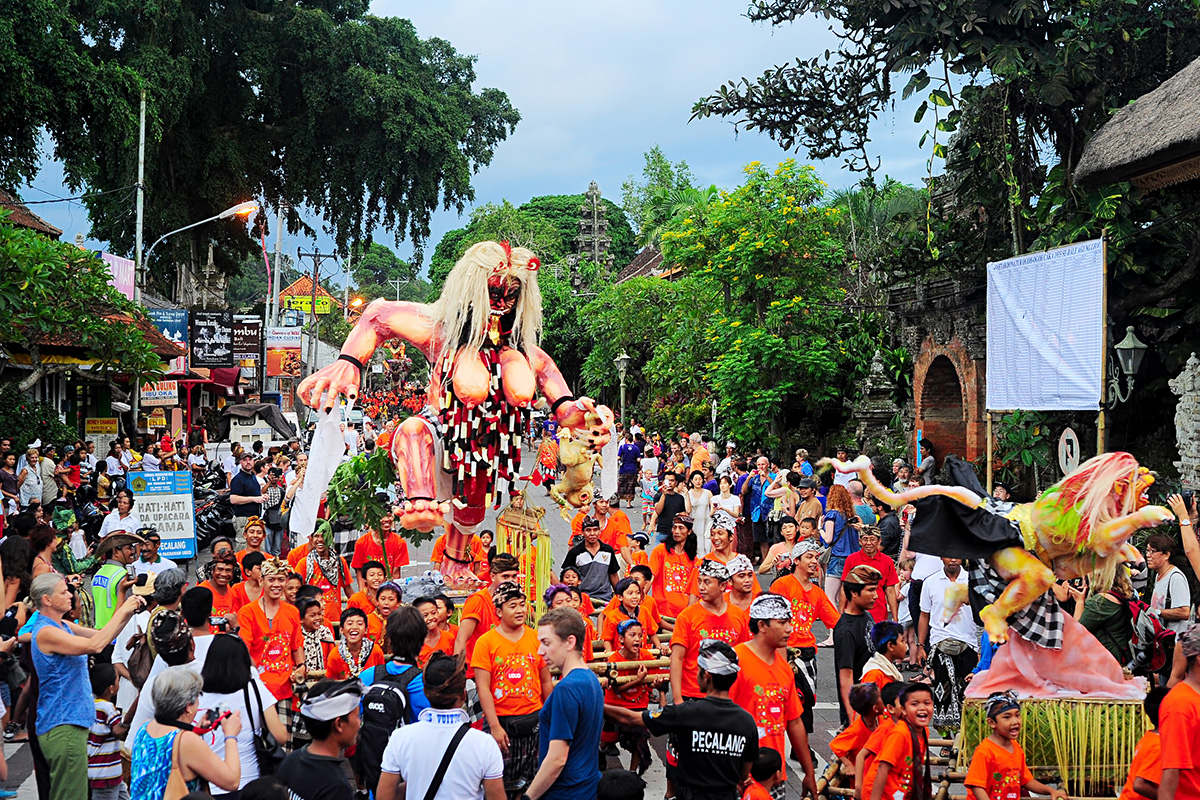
pixel 658 173
pixel 563 211
pixel 54 289
pixel 500 223
pixel 781 343
pixel 351 116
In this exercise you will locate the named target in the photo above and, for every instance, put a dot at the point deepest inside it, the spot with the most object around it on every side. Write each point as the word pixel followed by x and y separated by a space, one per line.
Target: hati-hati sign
pixel 164 502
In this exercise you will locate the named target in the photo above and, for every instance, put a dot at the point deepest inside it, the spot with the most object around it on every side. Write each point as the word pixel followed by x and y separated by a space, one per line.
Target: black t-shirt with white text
pixel 714 738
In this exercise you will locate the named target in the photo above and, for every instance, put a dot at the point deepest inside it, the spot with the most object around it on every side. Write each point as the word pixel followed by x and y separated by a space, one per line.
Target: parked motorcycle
pixel 214 518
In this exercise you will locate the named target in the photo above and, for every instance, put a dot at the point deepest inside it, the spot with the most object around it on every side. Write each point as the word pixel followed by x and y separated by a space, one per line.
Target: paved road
pixel 826 714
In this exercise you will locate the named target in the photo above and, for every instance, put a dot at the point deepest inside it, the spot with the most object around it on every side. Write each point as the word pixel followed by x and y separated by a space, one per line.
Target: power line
pixel 63 199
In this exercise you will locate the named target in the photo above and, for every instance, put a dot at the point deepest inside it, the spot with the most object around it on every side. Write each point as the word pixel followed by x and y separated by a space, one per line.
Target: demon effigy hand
pixel 341 378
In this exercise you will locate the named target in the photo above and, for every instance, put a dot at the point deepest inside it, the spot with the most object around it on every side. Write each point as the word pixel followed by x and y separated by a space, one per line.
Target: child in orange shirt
pixel 893 711
pixel 867 705
pixel 560 594
pixel 765 775
pixel 902 761
pixel 355 651
pixel 637 550
pixel 436 639
pixel 634 695
pixel 998 770
pixel 887 638
pixel 1145 773
pixel 570 576
pixel 445 611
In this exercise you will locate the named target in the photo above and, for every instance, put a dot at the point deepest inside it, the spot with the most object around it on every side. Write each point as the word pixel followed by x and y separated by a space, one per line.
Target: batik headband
pixel 717 658
pixel 724 520
pixel 739 563
pixel 273 566
pixel 336 701
pixel 509 590
pixel 770 606
pixel 711 568
pixel 999 702
pixel 805 546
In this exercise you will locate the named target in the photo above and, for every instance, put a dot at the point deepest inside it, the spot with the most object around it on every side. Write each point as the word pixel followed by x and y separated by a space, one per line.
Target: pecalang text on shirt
pixel 718 743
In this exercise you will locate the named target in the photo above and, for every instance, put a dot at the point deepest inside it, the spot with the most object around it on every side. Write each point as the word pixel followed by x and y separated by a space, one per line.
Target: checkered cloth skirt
pixel 1041 623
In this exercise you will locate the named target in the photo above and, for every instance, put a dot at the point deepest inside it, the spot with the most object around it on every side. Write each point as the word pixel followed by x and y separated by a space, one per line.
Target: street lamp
pixel 240 210
pixel 622 362
pixel 1130 352
pixel 355 306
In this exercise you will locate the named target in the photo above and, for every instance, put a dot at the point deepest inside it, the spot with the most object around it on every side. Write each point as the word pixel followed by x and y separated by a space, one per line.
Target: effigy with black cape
pixel 1079 527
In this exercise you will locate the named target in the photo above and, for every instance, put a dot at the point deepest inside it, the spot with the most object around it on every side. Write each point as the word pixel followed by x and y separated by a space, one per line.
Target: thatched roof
pixel 1154 142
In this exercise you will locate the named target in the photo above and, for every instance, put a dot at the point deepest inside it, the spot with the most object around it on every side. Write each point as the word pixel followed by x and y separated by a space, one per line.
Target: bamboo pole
pixel 605 666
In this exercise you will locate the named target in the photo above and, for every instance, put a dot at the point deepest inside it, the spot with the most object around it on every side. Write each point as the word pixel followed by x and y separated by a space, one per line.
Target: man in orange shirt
pixel 255 533
pixel 743 585
pixel 383 546
pixel 330 573
pixel 226 602
pixel 479 612
pixel 513 682
pixel 766 688
pixel 1179 721
pixel 271 630
pixel 1145 773
pixel 712 618
pixel 809 603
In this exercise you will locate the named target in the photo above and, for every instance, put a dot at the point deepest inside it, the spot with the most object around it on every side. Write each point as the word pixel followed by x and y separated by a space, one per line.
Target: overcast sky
pixel 598 84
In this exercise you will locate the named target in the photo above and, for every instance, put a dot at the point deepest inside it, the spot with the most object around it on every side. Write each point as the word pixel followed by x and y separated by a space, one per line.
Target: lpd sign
pixel 164 502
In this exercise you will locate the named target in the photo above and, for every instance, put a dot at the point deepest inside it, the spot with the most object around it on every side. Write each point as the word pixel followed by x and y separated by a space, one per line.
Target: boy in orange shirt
pixel 743 584
pixel 513 683
pixel 270 627
pixel 1179 721
pixel 809 603
pixel 1145 773
pixel 765 775
pixel 903 761
pixel 998 770
pixel 766 685
pixel 867 705
pixel 479 612
pixel 887 638
pixel 355 651
pixel 893 713
pixel 712 618
pixel 226 601
pixel 633 695
pixel 637 550
pixel 436 639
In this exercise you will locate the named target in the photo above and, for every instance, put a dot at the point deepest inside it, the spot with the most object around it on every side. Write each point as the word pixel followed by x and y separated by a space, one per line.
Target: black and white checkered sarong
pixel 1041 623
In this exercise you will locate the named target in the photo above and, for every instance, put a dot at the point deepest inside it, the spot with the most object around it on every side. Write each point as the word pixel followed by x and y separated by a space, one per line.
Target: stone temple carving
pixel 1186 387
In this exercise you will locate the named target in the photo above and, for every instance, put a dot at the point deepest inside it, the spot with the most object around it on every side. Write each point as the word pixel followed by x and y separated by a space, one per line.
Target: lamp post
pixel 241 209
pixel 355 307
pixel 1129 354
pixel 622 362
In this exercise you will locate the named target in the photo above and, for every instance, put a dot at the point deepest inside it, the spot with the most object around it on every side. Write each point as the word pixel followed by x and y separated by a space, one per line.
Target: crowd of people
pixel 684 606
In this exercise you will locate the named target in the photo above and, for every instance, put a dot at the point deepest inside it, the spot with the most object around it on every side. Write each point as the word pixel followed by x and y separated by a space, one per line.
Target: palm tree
pixel 667 205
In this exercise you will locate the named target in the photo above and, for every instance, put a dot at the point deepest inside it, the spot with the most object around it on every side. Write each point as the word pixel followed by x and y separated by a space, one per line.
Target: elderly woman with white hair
pixel 167 752
pixel 65 710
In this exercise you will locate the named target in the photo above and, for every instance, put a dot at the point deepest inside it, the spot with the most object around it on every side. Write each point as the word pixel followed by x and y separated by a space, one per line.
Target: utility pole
pixel 317 258
pixel 273 289
pixel 346 290
pixel 396 282
pixel 138 237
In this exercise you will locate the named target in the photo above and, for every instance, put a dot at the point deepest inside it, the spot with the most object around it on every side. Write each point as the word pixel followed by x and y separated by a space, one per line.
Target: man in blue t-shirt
pixel 570 721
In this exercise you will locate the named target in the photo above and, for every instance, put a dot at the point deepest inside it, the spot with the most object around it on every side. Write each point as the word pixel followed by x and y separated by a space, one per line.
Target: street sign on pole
pixel 164 502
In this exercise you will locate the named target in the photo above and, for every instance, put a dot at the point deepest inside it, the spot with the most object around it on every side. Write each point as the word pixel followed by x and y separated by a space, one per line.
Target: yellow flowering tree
pixel 779 338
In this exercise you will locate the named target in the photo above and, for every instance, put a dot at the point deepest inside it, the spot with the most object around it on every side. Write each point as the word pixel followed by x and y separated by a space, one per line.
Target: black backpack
pixel 385 707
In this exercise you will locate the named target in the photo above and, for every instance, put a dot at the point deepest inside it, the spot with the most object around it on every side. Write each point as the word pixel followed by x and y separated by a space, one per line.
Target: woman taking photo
pixel 122 517
pixel 167 744
pixel 227 674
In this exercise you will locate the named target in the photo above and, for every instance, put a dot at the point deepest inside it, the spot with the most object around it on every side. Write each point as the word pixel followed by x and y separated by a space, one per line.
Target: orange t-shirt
pixel 637 557
pixel 480 608
pixel 589 636
pixel 1179 724
pixel 694 583
pixel 635 696
pixel 271 644
pixel 515 669
pixel 999 772
pixel 367 549
pixel 297 554
pixel 240 596
pixel 1147 764
pixel 695 624
pixel 612 616
pixel 445 644
pixel 337 669
pixel 877 677
pixel 333 593
pixel 807 605
pixel 240 554
pixel 897 751
pixel 672 577
pixel 852 739
pixel 872 747
pixel 755 791
pixel 768 693
pixel 229 603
